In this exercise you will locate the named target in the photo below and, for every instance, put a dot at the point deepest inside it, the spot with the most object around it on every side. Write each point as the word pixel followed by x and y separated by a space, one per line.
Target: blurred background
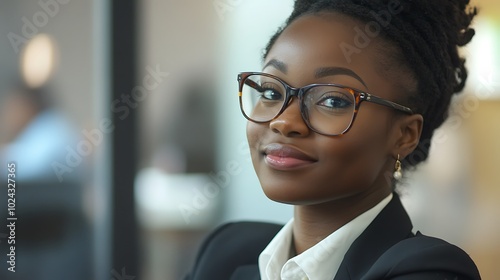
pixel 123 121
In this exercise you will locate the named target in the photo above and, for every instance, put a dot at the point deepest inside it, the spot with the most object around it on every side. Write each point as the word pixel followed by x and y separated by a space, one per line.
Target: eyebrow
pixel 280 65
pixel 332 71
pixel 320 73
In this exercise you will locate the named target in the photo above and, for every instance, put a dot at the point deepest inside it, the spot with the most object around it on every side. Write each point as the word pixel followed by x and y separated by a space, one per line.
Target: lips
pixel 284 157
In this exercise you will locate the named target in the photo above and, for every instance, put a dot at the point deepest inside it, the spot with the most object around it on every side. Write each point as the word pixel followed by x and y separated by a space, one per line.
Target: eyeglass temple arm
pixel 371 98
pixel 254 85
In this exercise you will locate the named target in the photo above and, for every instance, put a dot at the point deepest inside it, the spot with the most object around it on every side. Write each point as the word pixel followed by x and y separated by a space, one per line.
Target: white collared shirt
pixel 318 262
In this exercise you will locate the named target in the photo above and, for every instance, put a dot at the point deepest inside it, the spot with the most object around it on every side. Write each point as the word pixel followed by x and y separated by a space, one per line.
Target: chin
pixel 289 194
pixel 282 193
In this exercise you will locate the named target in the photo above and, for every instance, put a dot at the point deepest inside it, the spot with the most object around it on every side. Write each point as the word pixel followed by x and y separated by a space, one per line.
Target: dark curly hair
pixel 427 34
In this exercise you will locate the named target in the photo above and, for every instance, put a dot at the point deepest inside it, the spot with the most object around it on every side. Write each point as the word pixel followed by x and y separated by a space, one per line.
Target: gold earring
pixel 398 173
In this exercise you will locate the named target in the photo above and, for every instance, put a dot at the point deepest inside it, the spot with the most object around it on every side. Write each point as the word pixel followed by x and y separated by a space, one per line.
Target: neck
pixel 313 223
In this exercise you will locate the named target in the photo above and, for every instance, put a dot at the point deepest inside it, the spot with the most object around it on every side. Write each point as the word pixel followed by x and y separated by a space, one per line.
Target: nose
pixel 290 123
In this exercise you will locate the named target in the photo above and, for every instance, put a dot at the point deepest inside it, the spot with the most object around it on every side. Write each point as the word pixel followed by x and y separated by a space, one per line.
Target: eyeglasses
pixel 328 109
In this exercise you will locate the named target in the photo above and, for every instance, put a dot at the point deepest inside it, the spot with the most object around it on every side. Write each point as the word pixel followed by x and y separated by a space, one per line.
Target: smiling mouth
pixel 283 157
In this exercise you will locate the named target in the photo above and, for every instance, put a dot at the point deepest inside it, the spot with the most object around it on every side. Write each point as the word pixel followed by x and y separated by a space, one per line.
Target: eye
pixel 334 101
pixel 269 92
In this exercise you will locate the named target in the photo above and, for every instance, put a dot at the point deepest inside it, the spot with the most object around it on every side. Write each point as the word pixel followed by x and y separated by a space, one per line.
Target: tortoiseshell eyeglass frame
pixel 359 97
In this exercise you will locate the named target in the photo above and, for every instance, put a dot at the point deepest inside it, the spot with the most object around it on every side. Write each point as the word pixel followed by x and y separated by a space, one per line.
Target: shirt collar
pixel 320 261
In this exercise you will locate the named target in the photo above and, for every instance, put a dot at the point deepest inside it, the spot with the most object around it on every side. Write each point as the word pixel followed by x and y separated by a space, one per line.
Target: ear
pixel 409 129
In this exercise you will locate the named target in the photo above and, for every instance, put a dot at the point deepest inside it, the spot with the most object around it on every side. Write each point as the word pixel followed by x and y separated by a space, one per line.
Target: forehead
pixel 325 38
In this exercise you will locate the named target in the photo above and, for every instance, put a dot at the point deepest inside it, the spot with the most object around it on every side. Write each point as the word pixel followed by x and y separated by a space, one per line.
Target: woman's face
pixel 298 166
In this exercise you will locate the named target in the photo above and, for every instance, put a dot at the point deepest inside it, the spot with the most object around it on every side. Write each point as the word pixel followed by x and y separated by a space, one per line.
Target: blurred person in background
pixel 35 134
pixel 53 233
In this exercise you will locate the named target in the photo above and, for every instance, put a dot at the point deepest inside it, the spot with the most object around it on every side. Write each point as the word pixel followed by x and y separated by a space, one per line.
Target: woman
pixel 349 96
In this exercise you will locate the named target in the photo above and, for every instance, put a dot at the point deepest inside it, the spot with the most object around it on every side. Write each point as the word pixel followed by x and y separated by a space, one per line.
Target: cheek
pixel 365 152
pixel 350 164
pixel 254 136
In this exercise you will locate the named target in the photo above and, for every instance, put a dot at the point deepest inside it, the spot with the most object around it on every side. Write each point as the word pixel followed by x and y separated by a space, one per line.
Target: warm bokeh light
pixel 38 60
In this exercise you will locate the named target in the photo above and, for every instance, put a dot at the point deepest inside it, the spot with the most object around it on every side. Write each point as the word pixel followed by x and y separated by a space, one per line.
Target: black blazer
pixel 387 249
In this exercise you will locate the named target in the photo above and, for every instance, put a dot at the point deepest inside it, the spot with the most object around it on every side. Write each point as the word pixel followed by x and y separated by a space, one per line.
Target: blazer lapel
pixel 246 272
pixel 391 226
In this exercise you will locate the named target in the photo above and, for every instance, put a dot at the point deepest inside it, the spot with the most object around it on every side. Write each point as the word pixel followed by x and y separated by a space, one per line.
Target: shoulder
pixel 424 257
pixel 230 246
